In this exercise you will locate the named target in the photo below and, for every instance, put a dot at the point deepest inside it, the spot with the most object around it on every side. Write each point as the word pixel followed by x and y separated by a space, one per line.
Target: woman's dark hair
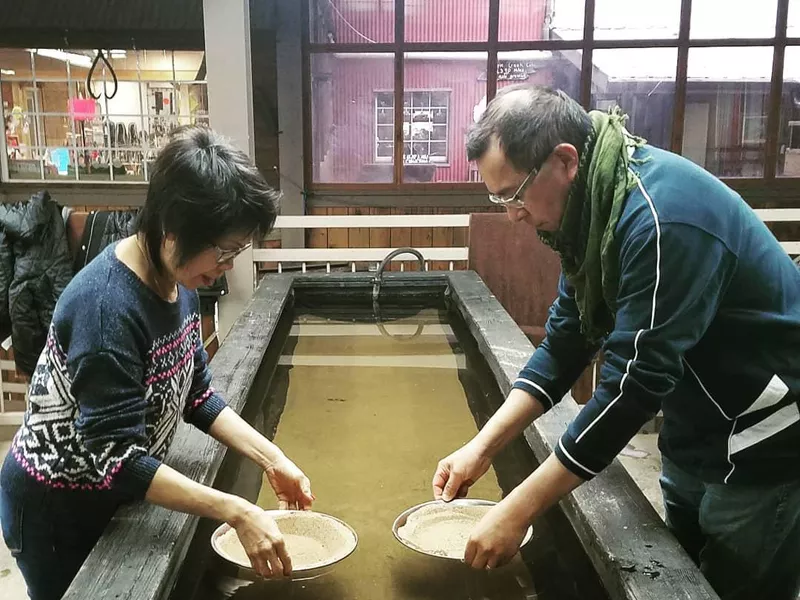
pixel 203 190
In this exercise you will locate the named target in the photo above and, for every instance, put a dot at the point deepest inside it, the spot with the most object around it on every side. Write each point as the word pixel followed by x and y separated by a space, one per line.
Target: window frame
pixel 587 45
pixel 749 96
pixel 446 141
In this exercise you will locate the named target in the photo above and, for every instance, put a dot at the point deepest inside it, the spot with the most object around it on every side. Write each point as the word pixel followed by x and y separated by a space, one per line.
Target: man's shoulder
pixel 671 189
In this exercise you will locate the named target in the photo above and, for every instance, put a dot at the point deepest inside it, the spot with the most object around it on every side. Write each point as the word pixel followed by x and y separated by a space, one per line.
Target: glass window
pixel 445 91
pixel 351 21
pixel 447 21
pixel 789 136
pixel 712 19
pixel 425 126
pixel 528 20
pixel 636 20
pixel 442 92
pixel 564 20
pixel 560 70
pixel 642 83
pixel 727 99
pixel 55 129
pixel 793 21
pixel 352 118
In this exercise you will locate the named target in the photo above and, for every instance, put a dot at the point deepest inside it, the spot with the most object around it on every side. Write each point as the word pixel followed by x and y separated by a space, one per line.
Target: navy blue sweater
pixel 120 367
pixel 707 329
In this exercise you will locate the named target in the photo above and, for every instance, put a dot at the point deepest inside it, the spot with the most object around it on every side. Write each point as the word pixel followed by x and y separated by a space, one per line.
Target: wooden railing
pixel 352 256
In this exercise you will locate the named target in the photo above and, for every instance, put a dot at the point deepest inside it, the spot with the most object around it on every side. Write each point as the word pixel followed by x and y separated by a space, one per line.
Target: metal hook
pixel 101 56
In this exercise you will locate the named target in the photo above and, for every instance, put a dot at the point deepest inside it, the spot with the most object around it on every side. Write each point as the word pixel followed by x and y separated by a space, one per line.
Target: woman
pixel 124 360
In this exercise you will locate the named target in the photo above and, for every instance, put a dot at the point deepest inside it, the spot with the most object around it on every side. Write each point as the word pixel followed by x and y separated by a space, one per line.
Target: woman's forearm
pixel 233 431
pixel 175 491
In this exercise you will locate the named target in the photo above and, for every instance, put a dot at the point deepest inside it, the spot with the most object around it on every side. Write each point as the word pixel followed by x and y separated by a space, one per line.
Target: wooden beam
pixel 399 77
pixel 586 64
pixel 776 92
pixel 308 134
pixel 776 215
pixel 372 220
pixel 323 255
pixel 460 186
pixel 491 64
pixel 681 76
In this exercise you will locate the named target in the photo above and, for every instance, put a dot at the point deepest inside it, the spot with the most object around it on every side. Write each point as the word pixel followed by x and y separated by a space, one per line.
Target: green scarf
pixel 585 238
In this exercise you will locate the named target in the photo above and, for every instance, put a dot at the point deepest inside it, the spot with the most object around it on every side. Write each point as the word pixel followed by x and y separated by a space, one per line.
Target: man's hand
pixel 497 537
pixel 457 472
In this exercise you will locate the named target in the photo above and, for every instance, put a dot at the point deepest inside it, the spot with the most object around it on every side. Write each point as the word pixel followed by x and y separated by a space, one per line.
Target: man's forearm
pixel 542 489
pixel 516 413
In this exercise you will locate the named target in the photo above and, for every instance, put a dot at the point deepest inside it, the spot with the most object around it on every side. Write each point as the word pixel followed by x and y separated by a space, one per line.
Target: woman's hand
pixel 290 484
pixel 262 541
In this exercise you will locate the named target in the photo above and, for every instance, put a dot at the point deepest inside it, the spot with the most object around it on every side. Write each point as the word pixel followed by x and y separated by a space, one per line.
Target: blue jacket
pixel 707 329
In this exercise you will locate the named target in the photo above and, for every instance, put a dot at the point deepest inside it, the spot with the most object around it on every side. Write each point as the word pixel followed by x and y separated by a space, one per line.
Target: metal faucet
pixel 376 292
pixel 376 281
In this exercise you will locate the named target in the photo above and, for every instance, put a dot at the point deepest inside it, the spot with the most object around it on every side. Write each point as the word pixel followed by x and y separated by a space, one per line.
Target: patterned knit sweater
pixel 120 367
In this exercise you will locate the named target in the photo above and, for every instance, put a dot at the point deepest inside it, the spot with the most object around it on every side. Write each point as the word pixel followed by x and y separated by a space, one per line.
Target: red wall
pixel 433 20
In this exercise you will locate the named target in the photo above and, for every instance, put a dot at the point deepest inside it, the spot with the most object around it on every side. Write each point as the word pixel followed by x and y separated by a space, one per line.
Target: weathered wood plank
pixel 338 236
pixel 401 238
pixel 380 237
pixel 359 236
pixel 317 237
pixel 442 238
pixel 139 555
pixel 634 554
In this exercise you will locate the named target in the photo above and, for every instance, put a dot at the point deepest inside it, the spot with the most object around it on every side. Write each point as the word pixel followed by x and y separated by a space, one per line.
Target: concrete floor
pixel 640 458
pixel 643 461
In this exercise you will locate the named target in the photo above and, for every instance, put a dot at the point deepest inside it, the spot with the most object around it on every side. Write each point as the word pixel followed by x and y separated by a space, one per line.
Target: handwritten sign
pixel 512 70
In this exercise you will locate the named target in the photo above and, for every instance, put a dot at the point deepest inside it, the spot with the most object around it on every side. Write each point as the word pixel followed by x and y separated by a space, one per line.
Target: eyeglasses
pixel 224 256
pixel 515 201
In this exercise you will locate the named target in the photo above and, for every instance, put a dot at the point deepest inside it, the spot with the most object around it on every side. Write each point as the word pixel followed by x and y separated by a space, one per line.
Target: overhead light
pixel 7 72
pixel 118 53
pixel 79 60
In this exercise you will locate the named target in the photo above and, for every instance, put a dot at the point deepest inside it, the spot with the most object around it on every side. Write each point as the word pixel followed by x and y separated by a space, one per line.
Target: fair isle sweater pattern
pixel 49 446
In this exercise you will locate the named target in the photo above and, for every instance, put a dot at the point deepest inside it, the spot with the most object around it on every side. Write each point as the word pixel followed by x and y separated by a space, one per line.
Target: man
pixel 696 308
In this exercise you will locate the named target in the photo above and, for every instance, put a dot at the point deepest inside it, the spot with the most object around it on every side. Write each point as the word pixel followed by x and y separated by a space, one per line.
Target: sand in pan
pixel 442 529
pixel 312 540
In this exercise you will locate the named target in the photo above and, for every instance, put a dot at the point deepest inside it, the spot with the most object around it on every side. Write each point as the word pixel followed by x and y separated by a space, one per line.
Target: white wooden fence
pixel 327 256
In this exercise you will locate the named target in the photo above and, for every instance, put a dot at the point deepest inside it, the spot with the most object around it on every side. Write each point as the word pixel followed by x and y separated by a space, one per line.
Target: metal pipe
pixel 376 282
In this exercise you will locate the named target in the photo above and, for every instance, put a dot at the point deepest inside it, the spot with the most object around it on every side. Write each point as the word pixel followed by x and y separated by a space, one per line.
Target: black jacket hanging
pixel 36 235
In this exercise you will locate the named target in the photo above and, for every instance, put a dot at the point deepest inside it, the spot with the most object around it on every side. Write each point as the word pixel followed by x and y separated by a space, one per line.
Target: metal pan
pixel 312 571
pixel 402 519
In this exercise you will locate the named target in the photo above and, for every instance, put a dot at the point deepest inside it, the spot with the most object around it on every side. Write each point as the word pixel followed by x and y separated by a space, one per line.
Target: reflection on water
pixel 367 417
pixel 411 577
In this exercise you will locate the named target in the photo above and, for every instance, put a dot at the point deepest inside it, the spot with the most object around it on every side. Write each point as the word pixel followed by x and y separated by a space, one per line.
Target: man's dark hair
pixel 529 122
pixel 203 190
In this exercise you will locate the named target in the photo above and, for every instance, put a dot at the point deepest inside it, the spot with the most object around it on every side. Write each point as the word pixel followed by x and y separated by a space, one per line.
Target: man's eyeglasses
pixel 224 256
pixel 515 201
